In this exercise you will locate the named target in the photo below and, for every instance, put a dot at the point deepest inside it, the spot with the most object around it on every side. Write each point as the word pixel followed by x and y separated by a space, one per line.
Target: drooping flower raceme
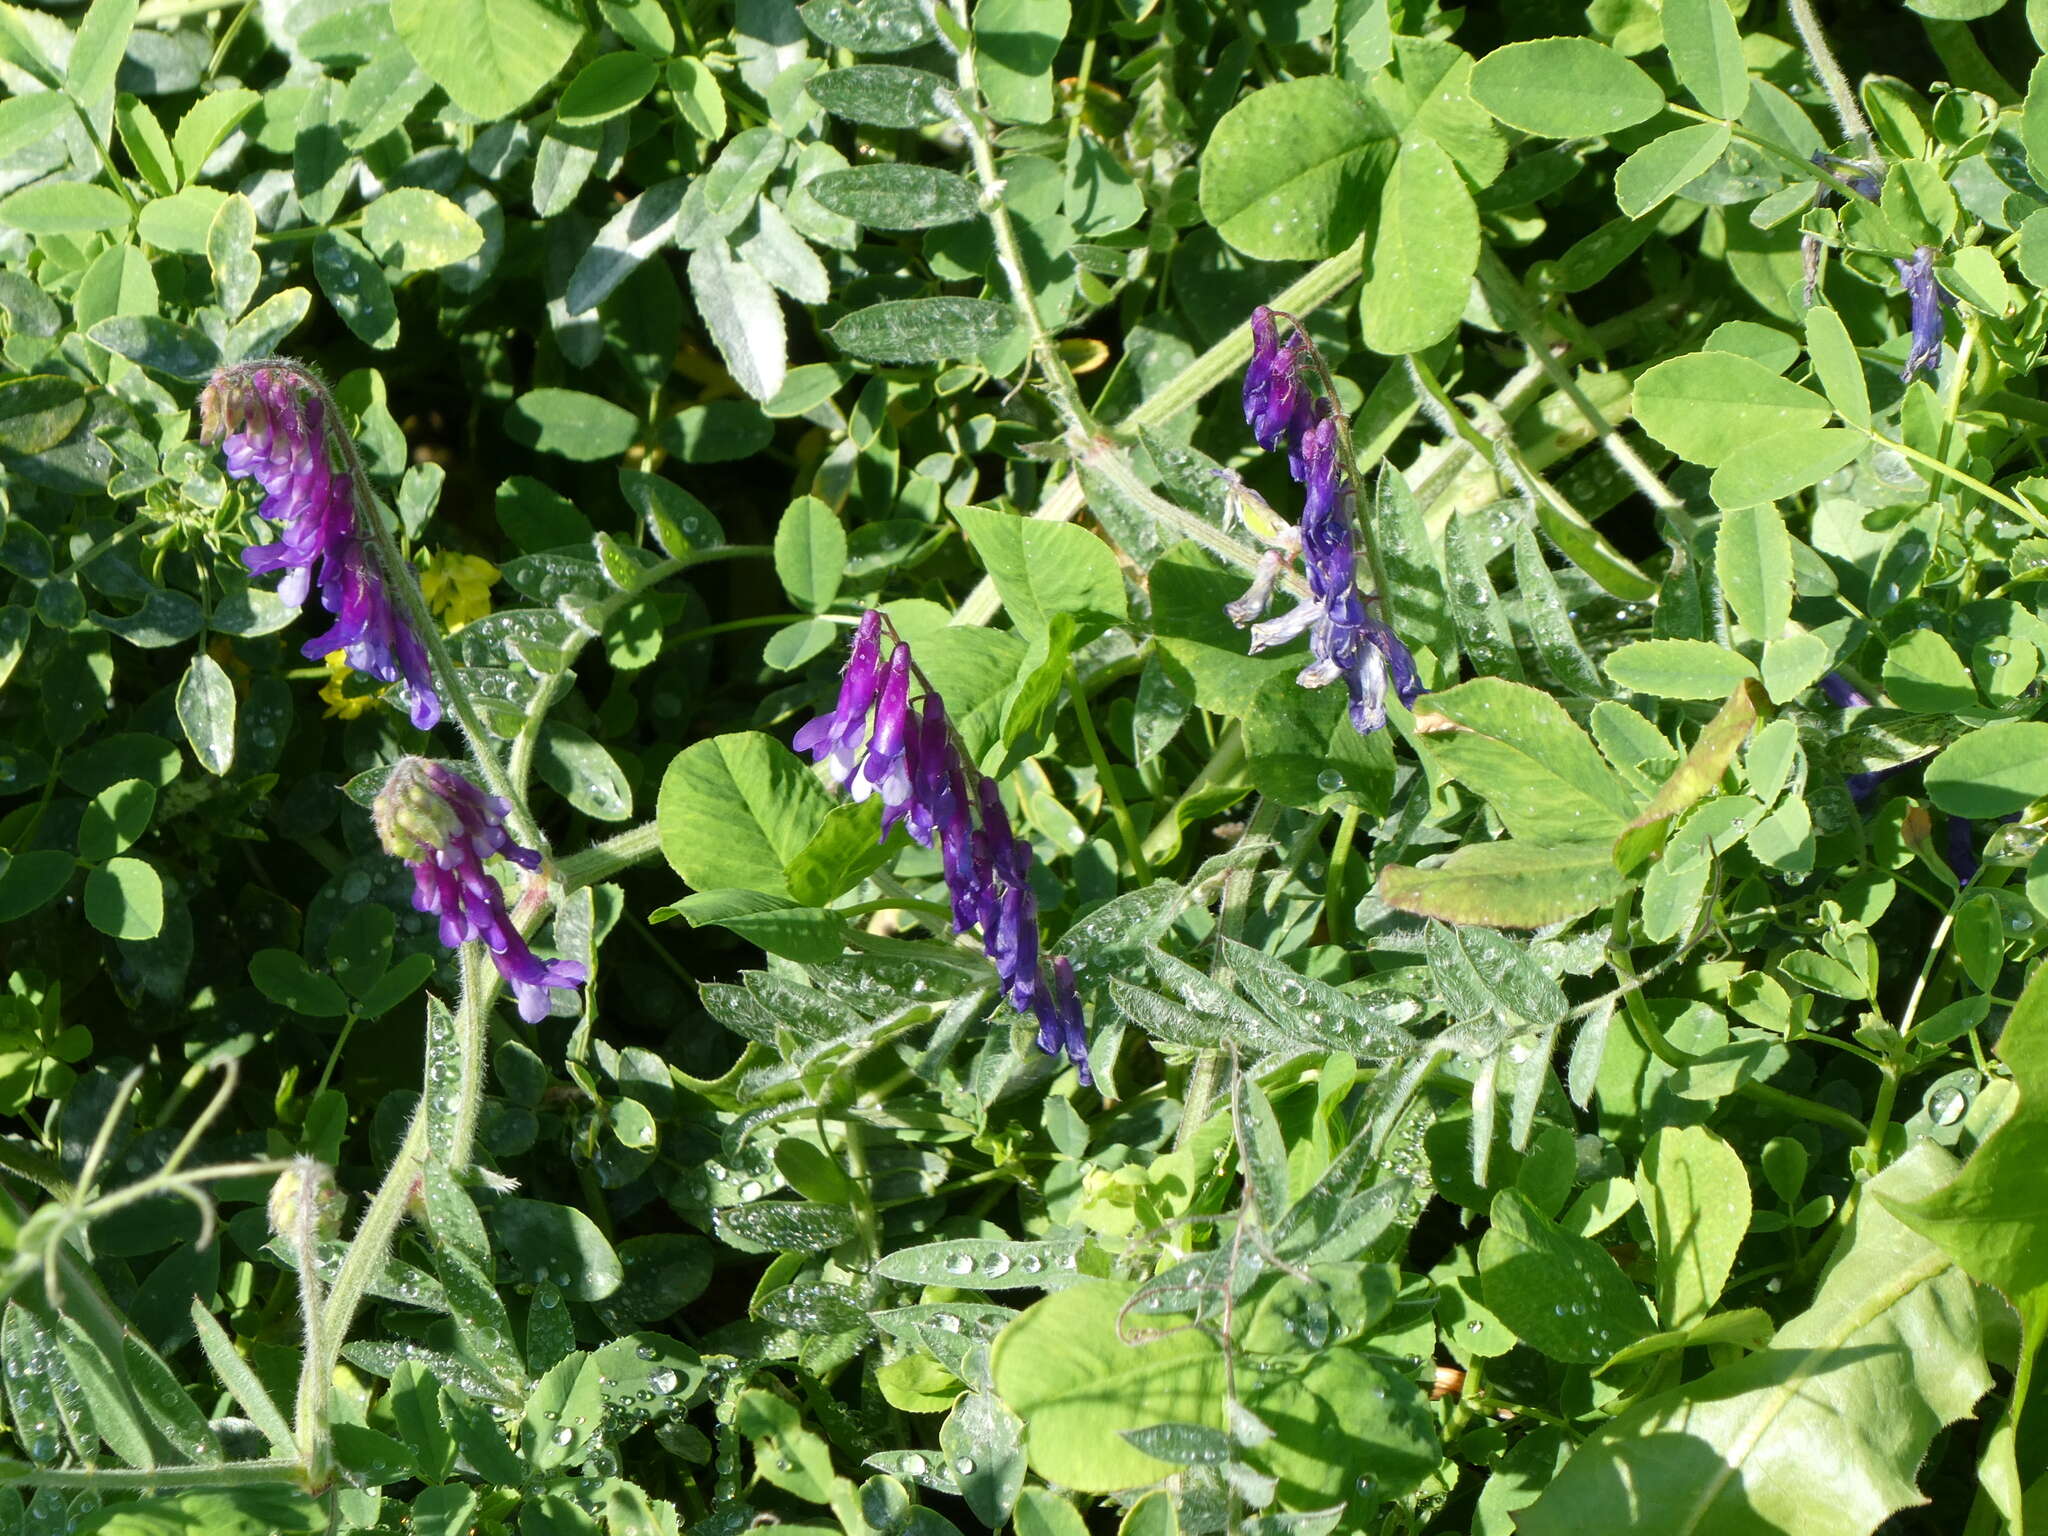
pixel 877 740
pixel 272 427
pixel 1347 640
pixel 445 828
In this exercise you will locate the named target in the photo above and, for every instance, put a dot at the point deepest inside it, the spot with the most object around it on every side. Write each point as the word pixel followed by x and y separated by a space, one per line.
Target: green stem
pixel 402 584
pixel 1362 521
pixel 1847 110
pixel 106 159
pixel 601 861
pixel 1928 461
pixel 216 1474
pixel 472 1041
pixel 855 1135
pixel 33 1166
pixel 316 1390
pixel 968 114
pixel 118 536
pixel 1226 761
pixel 1106 776
pixel 1336 909
pixel 1805 1109
pixel 1660 1046
pixel 1111 462
pixel 371 1245
pixel 1526 319
pixel 1205 1078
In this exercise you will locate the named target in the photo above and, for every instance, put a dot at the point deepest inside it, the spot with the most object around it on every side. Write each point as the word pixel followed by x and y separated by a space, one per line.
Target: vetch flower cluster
pixel 1347 639
pixel 272 428
pixel 1925 296
pixel 444 828
pixel 1928 299
pixel 878 741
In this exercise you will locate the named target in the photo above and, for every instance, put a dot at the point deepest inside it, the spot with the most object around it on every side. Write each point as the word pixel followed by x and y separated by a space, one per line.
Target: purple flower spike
pixel 1066 1009
pixel 1258 376
pixel 908 754
pixel 884 768
pixel 1346 640
pixel 272 425
pixel 1928 299
pixel 931 773
pixel 444 828
pixel 837 737
pixel 1277 403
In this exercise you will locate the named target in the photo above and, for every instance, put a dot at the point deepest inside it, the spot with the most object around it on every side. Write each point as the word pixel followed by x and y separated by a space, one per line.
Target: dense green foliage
pixel 1612 1097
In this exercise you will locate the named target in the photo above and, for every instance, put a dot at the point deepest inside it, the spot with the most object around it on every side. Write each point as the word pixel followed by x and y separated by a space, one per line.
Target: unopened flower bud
pixel 306 1196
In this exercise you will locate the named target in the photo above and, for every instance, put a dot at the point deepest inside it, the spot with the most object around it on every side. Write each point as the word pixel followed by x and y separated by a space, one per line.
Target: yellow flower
pixel 334 692
pixel 458 587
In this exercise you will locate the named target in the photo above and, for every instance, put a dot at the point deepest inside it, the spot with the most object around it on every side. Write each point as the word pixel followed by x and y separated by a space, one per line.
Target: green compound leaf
pixel 64 208
pixel 735 810
pixel 1560 1293
pixel 1535 766
pixel 883 95
pixel 1015 43
pixel 609 84
pixel 256 1511
pixel 357 288
pixel 1508 884
pixel 1662 166
pixel 923 330
pixel 206 709
pixel 1564 88
pixel 1067 1370
pixel 1425 249
pixel 1705 49
pixel 38 412
pixel 1695 1191
pixel 1991 1215
pixel 810 553
pixel 1714 407
pixel 1753 557
pixel 490 56
pixel 1293 171
pixel 124 898
pixel 1679 669
pixel 1888 1353
pixel 570 423
pixel 1993 772
pixel 1041 569
pixel 419 230
pixel 897 196
pixel 867 26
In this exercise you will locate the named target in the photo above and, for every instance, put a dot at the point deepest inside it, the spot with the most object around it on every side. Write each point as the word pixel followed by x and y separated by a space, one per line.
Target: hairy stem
pixel 371 1245
pixel 1105 774
pixel 973 123
pixel 1841 95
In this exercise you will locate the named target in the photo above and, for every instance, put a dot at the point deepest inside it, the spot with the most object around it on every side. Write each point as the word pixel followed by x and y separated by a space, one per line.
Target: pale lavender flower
pixel 272 428
pixel 445 828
